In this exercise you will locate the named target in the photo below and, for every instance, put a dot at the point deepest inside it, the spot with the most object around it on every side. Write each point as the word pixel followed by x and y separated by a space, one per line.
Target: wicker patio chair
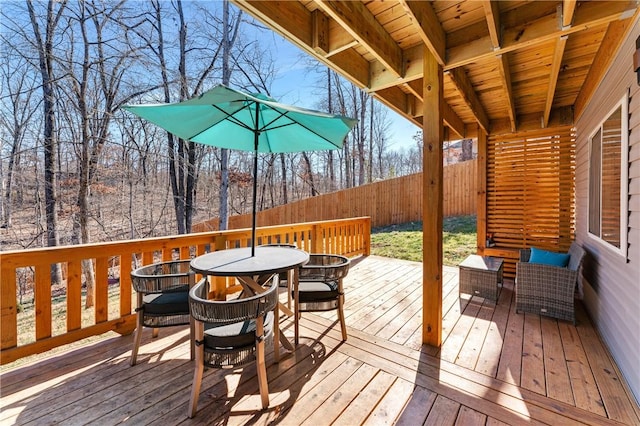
pixel 320 287
pixel 231 334
pixel 546 289
pixel 163 298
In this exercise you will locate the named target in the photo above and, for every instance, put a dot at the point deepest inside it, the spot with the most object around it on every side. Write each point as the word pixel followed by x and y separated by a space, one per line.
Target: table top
pixel 484 263
pixel 239 262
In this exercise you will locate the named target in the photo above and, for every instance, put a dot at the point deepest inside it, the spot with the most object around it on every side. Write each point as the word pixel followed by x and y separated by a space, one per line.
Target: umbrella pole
pixel 256 138
pixel 255 191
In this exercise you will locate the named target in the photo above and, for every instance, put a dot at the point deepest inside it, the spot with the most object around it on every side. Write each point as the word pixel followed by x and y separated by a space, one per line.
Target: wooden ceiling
pixel 508 65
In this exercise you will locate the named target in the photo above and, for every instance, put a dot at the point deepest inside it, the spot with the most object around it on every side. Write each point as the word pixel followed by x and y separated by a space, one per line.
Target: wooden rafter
pixel 464 86
pixel 360 23
pixel 295 21
pixel 558 53
pixel 338 32
pixel 492 13
pixel 412 64
pixel 449 116
pixel 320 32
pixel 454 122
pixel 426 23
pixel 589 15
pixel 616 32
pixel 505 76
pixel 568 9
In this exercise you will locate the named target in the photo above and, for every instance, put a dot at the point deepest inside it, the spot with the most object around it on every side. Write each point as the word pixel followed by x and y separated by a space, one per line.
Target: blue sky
pixel 295 84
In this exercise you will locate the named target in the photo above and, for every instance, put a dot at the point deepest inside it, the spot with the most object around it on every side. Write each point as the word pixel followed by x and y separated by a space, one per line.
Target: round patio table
pixel 254 271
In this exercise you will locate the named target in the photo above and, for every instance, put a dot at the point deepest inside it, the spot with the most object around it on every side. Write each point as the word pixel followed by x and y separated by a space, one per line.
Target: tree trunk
pixel 332 172
pixel 283 164
pixel 467 150
pixel 224 153
pixel 45 52
pixel 309 173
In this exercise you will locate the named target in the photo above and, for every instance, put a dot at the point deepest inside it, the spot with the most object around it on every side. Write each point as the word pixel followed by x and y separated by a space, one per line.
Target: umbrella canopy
pixel 228 118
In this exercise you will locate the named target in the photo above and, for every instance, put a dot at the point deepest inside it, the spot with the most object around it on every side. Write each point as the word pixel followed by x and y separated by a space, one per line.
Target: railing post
pixel 316 238
pixel 8 308
pixel 367 236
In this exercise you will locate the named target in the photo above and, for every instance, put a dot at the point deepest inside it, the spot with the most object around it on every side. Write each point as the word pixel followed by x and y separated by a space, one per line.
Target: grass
pixel 404 241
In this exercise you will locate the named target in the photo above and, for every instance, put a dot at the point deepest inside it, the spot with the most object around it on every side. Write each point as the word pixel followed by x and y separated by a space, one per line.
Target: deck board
pixel 495 367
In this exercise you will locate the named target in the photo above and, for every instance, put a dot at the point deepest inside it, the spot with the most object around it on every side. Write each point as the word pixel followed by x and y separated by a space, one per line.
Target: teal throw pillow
pixel 549 258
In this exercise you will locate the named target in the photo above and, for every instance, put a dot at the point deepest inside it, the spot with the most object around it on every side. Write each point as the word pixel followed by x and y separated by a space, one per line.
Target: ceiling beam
pixel 295 22
pixel 612 40
pixel 546 30
pixel 415 88
pixel 505 77
pixel 558 53
pixel 492 13
pixel 568 9
pixel 452 120
pixel 397 100
pixel 428 27
pixel 359 22
pixel 320 32
pixel 587 16
pixel 411 106
pixel 380 78
pixel 290 19
pixel 464 86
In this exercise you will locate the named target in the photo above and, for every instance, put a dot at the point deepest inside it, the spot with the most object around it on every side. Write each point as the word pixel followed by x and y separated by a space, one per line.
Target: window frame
pixel 623 104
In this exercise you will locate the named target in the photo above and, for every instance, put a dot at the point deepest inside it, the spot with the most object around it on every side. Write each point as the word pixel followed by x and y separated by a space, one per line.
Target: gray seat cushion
pixel 170 303
pixel 236 335
pixel 315 291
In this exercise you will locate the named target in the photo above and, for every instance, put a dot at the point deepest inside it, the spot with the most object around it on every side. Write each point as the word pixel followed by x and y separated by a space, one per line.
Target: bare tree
pixel 20 85
pixel 94 76
pixel 44 44
pixel 229 36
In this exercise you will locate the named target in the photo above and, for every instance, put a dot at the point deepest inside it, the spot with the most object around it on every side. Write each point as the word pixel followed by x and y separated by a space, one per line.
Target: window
pixel 608 181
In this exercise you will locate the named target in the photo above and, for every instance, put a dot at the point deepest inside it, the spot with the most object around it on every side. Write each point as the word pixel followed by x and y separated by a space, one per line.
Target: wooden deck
pixel 495 367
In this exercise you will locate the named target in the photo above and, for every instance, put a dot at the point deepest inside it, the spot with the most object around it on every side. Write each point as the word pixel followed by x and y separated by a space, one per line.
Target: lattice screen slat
pixel 530 189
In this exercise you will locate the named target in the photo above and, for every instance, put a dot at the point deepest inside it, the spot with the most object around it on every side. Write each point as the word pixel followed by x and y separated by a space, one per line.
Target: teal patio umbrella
pixel 228 118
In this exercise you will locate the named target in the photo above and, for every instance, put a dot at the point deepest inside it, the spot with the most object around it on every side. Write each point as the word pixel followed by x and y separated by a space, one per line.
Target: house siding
pixel 611 282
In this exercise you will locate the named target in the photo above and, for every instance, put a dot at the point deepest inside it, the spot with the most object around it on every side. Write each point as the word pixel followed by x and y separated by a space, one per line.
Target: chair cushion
pixel 313 291
pixel 236 335
pixel 549 258
pixel 169 303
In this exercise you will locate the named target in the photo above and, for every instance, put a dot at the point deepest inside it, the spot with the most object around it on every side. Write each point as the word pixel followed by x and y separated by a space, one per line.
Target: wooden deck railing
pixel 66 321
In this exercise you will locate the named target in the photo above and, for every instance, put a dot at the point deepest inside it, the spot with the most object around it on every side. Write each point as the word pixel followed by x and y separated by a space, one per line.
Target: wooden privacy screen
pixel 530 192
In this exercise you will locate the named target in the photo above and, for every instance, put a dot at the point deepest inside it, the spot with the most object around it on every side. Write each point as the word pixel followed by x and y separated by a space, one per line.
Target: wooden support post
pixel 432 201
pixel 481 207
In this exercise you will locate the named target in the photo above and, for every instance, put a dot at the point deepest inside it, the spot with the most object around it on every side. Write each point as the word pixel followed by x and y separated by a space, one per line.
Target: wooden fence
pixel 59 319
pixel 387 202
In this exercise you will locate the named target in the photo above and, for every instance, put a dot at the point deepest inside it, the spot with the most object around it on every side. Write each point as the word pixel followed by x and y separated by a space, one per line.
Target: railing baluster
pixel 317 237
pixel 42 290
pixel 101 292
pixel 74 295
